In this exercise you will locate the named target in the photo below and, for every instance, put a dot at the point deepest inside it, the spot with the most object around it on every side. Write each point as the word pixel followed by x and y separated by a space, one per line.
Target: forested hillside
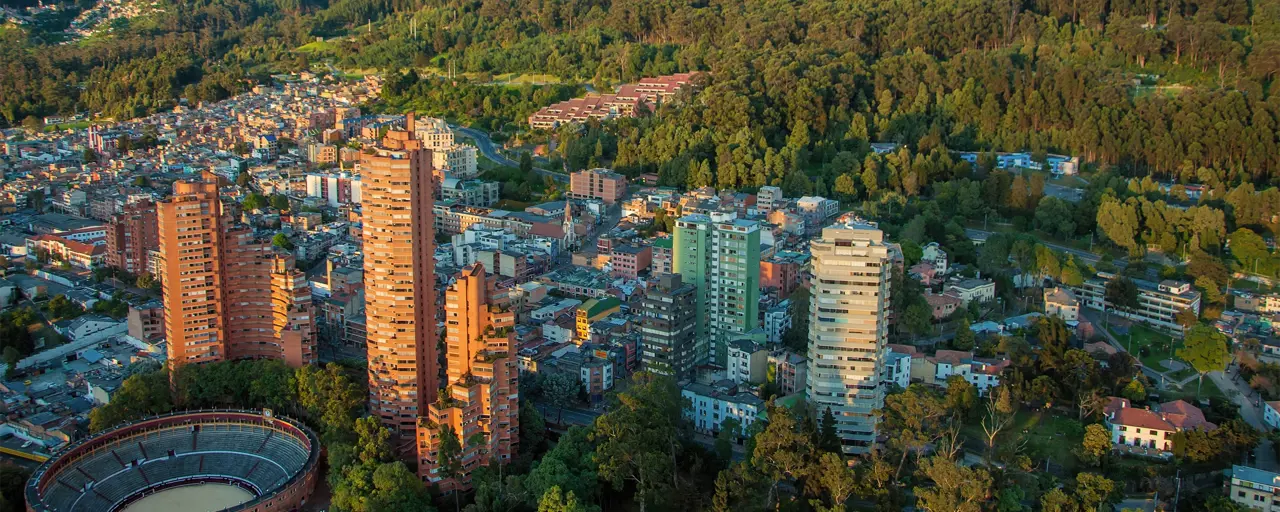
pixel 1160 87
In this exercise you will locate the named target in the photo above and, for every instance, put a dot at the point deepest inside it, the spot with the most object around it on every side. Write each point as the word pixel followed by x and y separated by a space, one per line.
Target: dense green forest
pixel 1158 87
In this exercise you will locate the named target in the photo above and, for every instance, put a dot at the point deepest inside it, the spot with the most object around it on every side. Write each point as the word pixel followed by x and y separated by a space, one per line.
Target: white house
pixel 983 374
pixel 747 362
pixel 1271 414
pixel 91 328
pixel 981 290
pixel 709 406
pixel 897 369
pixel 936 256
pixel 777 320
pixel 1149 431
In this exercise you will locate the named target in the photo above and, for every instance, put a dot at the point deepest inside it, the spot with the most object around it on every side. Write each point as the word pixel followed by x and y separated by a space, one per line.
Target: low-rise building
pixel 602 184
pixel 943 305
pixel 1149 431
pixel 592 310
pixel 1158 303
pixel 662 254
pixel 630 260
pixel 1271 415
pixel 933 254
pixel 1253 488
pixel 747 361
pixel 790 371
pixel 777 320
pixel 968 290
pixel 708 406
pixel 77 254
pixel 471 192
pixel 1062 302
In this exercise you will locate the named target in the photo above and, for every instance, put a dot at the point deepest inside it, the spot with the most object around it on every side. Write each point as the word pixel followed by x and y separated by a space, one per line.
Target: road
pixel 1087 256
pixel 1251 411
pixel 489 151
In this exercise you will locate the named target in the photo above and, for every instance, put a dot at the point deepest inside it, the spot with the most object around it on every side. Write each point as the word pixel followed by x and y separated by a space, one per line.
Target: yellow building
pixel 593 310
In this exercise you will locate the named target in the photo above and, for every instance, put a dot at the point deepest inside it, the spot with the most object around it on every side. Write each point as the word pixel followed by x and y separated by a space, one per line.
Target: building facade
pixel 400 298
pixel 667 328
pixel 130 235
pixel 722 260
pixel 480 399
pixel 848 329
pixel 1158 303
pixel 227 293
pixel 602 184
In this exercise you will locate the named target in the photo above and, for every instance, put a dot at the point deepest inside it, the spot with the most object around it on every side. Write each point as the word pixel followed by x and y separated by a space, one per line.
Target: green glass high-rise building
pixel 721 258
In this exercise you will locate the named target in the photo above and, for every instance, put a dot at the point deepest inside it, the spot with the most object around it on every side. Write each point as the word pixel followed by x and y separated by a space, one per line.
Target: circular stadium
pixel 192 461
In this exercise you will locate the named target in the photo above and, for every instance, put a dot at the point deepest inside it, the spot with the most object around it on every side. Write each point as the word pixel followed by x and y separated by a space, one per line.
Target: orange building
pixel 131 235
pixel 481 396
pixel 227 293
pixel 400 307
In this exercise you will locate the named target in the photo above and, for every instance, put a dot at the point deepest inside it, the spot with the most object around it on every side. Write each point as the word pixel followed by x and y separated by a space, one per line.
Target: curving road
pixel 487 148
pixel 1087 256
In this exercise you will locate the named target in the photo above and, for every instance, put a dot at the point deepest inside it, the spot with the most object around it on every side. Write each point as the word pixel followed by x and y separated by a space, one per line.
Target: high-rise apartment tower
pixel 399 276
pixel 849 294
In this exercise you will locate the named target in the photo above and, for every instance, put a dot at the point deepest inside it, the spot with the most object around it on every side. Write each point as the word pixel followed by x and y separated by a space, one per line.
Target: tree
pixel 279 202
pixel 836 479
pixel 553 501
pixel 450 457
pixel 918 318
pixel 1096 444
pixel 559 389
pixel 1134 391
pixel 796 337
pixel 1000 408
pixel 526 163
pixel 254 201
pixel 730 428
pixel 138 396
pixel 1122 292
pixel 1093 490
pixel 1248 248
pixel 965 338
pixel 244 179
pixel 570 465
pixel 145 281
pixel 637 440
pixel 280 240
pixel 1186 318
pixel 782 452
pixel 828 436
pixel 1206 350
pixel 955 488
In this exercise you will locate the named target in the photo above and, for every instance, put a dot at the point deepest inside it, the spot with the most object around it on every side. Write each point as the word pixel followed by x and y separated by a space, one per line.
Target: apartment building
pixel 721 258
pixel 667 328
pixel 602 184
pixel 399 271
pixel 848 329
pixel 630 260
pixel 1158 303
pixel 480 399
pixel 456 161
pixel 709 406
pixel 77 254
pixel 227 293
pixel 130 235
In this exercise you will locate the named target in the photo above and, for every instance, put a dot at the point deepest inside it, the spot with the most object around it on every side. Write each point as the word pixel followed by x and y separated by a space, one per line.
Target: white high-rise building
pixel 847 329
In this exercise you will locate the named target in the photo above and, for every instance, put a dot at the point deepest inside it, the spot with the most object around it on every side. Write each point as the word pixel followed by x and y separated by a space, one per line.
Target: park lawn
pixel 317 47
pixel 1156 341
pixel 1188 392
pixel 1050 436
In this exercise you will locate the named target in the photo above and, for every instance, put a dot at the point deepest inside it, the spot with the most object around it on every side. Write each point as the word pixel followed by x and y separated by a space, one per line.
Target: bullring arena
pixel 191 461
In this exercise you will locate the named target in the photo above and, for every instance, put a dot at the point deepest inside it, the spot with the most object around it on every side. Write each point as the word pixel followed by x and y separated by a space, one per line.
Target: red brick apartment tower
pixel 131 235
pixel 190 228
pixel 227 293
pixel 399 277
pixel 481 401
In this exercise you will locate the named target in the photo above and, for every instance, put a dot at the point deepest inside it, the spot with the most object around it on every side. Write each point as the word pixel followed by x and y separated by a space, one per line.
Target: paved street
pixel 1086 256
pixel 487 148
